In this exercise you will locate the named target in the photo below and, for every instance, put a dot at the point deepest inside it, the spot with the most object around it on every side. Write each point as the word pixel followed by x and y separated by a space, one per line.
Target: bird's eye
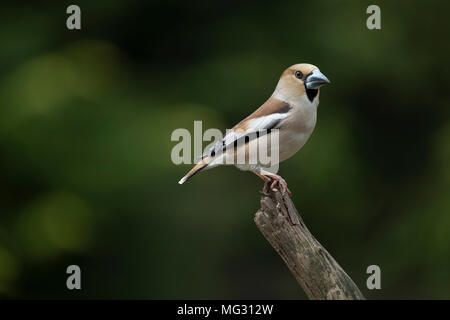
pixel 298 74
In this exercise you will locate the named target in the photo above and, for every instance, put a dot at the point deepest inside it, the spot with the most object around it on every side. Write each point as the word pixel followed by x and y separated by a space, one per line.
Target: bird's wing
pixel 266 117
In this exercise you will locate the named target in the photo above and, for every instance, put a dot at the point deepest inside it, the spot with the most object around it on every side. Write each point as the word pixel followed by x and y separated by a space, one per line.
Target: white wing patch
pixel 253 125
pixel 266 122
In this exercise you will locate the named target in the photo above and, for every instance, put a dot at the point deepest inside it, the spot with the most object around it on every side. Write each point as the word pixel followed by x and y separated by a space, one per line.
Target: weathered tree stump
pixel 320 276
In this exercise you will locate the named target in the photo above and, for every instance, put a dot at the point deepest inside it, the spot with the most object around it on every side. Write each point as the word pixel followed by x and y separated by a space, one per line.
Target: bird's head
pixel 299 81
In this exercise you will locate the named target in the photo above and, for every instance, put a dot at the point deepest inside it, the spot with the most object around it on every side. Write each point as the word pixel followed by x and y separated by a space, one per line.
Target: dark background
pixel 86 176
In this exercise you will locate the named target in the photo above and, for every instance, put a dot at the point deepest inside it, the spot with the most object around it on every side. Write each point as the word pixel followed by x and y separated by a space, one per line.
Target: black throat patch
pixel 311 93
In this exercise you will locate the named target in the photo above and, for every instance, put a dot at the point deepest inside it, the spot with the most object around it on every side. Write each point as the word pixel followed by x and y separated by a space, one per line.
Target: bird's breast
pixel 296 130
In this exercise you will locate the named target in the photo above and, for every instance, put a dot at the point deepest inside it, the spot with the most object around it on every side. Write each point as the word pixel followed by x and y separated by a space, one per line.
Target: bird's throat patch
pixel 312 93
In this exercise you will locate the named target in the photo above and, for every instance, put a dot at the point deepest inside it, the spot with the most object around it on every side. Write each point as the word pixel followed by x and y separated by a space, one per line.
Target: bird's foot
pixel 265 189
pixel 271 180
pixel 278 180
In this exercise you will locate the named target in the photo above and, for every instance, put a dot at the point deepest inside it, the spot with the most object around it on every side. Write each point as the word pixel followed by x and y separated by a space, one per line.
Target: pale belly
pixel 270 150
pixel 292 143
pixel 296 131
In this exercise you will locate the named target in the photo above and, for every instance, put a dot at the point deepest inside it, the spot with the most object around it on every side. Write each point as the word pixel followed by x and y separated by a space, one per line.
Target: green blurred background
pixel 85 168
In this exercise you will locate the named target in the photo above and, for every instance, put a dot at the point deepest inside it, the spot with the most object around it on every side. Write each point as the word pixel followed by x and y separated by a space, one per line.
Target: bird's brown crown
pixel 304 68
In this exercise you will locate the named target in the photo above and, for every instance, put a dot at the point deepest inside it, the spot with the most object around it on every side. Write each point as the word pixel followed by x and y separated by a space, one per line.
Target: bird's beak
pixel 316 79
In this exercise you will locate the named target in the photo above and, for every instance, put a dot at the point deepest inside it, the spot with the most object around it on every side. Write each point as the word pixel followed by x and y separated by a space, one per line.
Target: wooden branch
pixel 316 271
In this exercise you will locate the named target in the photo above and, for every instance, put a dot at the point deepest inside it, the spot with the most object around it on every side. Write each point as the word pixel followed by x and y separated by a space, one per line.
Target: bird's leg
pixel 266 182
pixel 277 180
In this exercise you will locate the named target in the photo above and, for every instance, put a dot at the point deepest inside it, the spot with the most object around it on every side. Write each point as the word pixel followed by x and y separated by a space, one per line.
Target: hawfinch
pixel 292 109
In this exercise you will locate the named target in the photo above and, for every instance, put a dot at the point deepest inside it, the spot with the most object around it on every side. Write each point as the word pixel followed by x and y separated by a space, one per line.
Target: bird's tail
pixel 197 168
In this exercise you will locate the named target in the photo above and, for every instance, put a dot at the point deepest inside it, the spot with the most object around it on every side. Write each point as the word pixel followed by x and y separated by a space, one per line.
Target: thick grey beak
pixel 316 79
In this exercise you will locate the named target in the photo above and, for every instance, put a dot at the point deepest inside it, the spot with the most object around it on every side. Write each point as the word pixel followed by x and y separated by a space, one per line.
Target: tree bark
pixel 316 271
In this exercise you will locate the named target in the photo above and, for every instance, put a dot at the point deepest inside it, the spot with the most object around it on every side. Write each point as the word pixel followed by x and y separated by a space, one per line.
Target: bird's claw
pixel 273 183
pixel 265 189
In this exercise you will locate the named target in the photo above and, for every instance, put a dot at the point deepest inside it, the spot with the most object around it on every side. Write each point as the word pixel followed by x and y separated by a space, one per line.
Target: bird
pixel 291 110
